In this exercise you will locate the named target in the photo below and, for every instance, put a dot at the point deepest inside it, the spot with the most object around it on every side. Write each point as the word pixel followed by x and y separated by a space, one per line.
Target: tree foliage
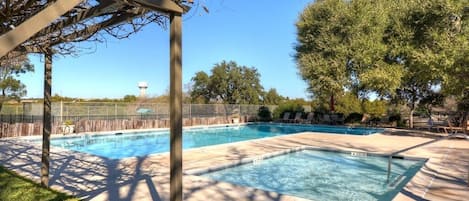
pixel 11 66
pixel 291 106
pixel 264 113
pixel 376 108
pixel 339 46
pixel 348 103
pixel 400 49
pixel 272 97
pixel 129 98
pixel 228 83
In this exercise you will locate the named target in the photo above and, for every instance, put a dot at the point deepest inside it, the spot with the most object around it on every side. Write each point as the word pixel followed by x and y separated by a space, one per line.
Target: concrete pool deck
pixel 443 177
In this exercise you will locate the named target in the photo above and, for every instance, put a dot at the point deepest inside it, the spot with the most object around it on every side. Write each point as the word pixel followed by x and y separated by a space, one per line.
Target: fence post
pixel 157 113
pixel 190 113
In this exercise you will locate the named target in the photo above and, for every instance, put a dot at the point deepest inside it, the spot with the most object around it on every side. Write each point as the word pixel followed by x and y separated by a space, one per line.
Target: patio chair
pixel 309 118
pixel 450 127
pixel 326 119
pixel 286 117
pixel 337 118
pixel 297 118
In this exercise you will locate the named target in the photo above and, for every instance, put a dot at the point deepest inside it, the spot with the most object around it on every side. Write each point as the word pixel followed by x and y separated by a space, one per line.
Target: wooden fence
pixel 86 125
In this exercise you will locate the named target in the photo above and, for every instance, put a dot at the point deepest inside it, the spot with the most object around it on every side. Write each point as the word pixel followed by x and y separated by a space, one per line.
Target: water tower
pixel 143 88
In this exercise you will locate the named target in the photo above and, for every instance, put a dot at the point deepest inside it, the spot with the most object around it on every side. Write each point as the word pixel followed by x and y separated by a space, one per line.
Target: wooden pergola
pixel 50 26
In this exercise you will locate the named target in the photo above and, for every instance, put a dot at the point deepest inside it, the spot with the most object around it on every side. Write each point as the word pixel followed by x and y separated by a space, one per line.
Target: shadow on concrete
pixel 82 175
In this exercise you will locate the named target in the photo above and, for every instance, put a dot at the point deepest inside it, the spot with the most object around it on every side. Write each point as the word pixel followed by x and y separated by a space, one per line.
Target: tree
pixel 11 66
pixel 291 106
pixel 129 98
pixel 430 39
pixel 399 49
pixel 200 92
pixel 375 109
pixel 271 97
pixel 431 100
pixel 340 47
pixel 228 83
pixel 348 103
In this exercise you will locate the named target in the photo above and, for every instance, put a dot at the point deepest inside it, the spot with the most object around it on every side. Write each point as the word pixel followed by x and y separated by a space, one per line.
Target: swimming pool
pixel 117 146
pixel 323 175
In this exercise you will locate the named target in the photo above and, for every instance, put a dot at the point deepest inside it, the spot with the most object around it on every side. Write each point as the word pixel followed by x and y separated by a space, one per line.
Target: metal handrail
pixel 413 147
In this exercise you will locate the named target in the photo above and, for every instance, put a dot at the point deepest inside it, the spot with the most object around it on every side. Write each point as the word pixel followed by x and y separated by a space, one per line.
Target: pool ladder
pixel 392 155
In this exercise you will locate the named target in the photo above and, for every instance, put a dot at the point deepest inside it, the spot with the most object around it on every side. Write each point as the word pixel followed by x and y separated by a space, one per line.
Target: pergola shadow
pixel 82 175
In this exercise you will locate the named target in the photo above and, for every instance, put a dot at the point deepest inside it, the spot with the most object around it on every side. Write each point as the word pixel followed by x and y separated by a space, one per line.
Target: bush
pixel 354 118
pixel 395 118
pixel 287 107
pixel 318 115
pixel 264 114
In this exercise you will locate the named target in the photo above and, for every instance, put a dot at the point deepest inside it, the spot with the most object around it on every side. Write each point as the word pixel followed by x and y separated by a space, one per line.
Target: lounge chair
pixel 286 117
pixel 450 127
pixel 326 119
pixel 337 118
pixel 309 119
pixel 297 118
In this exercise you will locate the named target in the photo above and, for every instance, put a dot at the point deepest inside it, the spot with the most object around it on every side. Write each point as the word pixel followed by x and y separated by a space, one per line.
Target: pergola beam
pixel 31 26
pixel 103 7
pixel 89 31
pixel 165 6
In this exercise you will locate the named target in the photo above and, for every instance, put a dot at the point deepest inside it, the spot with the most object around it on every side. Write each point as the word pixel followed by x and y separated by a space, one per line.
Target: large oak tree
pixel 400 49
pixel 228 83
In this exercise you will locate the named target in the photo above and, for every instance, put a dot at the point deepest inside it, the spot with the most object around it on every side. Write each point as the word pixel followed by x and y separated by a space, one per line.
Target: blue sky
pixel 257 33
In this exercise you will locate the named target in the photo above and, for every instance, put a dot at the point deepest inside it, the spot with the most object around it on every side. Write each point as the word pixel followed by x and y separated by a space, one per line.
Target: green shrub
pixel 354 118
pixel 264 114
pixel 291 107
pixel 395 117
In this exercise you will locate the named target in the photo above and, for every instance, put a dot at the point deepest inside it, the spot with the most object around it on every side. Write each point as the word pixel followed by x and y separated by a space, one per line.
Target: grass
pixel 17 188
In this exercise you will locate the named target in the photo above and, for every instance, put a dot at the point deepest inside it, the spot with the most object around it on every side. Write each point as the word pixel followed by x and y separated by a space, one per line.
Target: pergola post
pixel 175 98
pixel 47 119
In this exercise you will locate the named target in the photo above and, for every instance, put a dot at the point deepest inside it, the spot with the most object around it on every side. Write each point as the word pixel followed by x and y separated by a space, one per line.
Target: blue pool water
pixel 323 175
pixel 144 143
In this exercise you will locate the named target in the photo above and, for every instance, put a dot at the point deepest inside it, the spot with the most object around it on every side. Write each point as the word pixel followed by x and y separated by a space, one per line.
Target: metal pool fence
pixel 92 117
pixel 62 111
